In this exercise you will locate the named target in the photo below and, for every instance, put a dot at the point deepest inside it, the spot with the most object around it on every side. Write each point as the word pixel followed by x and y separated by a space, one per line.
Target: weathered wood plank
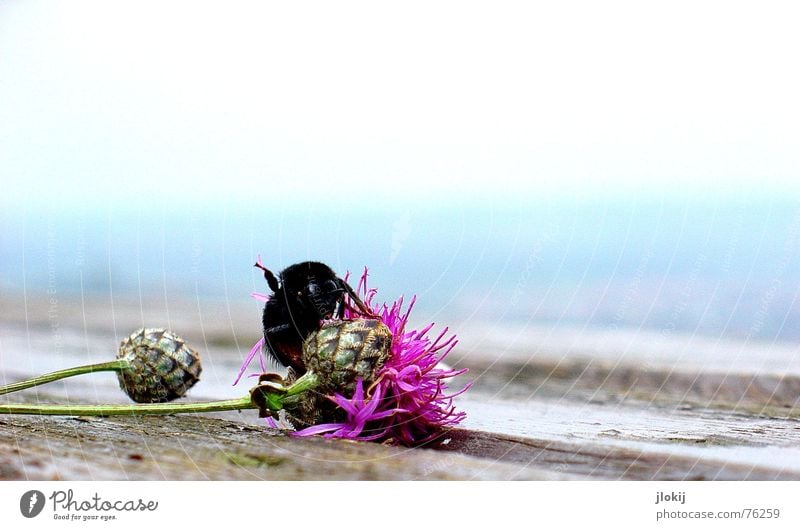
pixel 201 448
pixel 617 460
pixel 559 409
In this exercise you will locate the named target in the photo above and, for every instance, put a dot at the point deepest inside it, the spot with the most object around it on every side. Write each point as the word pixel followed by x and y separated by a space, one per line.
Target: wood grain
pixel 552 409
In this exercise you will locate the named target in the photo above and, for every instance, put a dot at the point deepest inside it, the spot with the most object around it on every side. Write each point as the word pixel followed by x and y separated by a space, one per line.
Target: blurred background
pixel 516 166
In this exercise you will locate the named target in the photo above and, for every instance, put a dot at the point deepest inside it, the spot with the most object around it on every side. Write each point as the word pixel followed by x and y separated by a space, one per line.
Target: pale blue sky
pixel 550 153
pixel 101 101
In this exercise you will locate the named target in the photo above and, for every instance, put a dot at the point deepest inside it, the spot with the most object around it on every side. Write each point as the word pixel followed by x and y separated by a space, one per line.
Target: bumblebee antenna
pixel 272 281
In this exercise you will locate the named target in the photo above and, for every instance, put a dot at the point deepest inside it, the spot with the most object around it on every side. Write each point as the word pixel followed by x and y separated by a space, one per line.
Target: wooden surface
pixel 545 405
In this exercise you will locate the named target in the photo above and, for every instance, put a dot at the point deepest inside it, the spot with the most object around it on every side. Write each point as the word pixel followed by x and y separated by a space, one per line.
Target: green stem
pixel 119 364
pixel 308 381
pixel 268 395
pixel 274 401
pixel 128 410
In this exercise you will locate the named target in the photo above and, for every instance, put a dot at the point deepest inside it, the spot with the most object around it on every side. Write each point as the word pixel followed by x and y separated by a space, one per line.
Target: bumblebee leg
pixel 339 312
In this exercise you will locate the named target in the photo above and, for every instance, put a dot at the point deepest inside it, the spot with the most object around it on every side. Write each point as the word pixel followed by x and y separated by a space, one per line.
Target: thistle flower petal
pixel 257 347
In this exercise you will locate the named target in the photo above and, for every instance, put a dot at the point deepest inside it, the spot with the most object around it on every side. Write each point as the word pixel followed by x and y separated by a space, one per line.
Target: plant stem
pixel 128 410
pixel 308 381
pixel 117 365
pixel 273 401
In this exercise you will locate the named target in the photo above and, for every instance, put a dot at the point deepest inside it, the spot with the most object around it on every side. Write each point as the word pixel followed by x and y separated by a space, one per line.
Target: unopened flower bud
pixel 162 366
pixel 343 351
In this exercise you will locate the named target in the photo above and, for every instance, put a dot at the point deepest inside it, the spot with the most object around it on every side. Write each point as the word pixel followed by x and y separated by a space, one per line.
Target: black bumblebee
pixel 306 294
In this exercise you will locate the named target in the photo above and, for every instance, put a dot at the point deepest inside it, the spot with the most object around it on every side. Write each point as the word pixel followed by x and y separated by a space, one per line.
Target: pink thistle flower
pixel 409 401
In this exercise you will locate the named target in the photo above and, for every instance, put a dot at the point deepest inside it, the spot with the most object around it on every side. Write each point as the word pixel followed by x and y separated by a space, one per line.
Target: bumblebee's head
pixel 324 296
pixel 317 289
